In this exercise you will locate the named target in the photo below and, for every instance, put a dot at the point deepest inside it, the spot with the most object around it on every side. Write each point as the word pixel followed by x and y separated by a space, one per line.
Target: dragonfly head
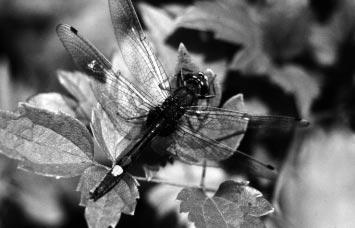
pixel 197 82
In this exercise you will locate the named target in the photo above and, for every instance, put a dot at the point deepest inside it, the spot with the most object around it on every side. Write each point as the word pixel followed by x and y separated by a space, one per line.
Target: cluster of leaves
pixel 47 138
pixel 53 143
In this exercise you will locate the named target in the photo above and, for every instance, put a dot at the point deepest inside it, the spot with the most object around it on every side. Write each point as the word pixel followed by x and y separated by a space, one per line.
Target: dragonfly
pixel 147 107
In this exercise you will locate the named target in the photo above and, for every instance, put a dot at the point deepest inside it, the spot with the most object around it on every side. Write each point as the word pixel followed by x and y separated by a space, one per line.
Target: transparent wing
pixel 221 125
pixel 214 134
pixel 194 147
pixel 189 146
pixel 121 100
pixel 148 72
pixel 210 118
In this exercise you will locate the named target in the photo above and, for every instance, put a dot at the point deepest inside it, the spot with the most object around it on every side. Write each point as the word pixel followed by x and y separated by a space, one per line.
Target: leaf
pixel 185 63
pixel 54 102
pixel 233 205
pixel 295 80
pixel 286 29
pixel 107 210
pixel 111 141
pixel 159 25
pixel 44 142
pixel 78 84
pixel 163 197
pixel 230 21
pixel 235 103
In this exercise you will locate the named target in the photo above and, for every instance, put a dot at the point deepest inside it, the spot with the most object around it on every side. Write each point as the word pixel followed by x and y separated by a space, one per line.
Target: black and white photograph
pixel 179 114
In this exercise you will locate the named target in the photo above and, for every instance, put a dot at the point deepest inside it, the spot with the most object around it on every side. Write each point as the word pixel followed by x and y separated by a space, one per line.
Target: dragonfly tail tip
pixel 303 123
pixel 93 196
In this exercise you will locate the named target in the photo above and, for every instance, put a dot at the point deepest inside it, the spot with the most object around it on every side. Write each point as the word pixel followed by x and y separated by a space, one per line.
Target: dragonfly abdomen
pixel 109 181
pixel 161 120
pixel 113 177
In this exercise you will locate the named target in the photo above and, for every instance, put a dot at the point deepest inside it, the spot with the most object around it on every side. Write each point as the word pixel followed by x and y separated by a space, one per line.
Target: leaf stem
pixel 203 175
pixel 161 181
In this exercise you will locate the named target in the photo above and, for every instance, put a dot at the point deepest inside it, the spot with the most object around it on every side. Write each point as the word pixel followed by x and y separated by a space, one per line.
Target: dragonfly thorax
pixel 172 109
pixel 196 82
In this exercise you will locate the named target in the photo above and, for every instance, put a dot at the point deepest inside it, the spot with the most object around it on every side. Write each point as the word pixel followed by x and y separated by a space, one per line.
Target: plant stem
pixel 203 175
pixel 160 181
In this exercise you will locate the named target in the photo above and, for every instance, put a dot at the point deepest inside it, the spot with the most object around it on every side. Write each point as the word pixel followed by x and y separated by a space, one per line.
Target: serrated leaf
pixel 233 205
pixel 45 142
pixel 54 102
pixel 229 21
pixel 107 210
pixel 78 84
pixel 163 197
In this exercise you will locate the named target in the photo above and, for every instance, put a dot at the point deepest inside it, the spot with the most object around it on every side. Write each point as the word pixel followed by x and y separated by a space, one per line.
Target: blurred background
pixel 289 57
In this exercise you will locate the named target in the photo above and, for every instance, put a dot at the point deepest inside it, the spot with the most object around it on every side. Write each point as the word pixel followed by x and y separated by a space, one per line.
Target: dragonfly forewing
pixel 137 52
pixel 122 100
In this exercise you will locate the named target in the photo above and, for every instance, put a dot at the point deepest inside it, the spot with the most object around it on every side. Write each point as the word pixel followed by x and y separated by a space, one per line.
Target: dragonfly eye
pixel 198 82
pixel 204 85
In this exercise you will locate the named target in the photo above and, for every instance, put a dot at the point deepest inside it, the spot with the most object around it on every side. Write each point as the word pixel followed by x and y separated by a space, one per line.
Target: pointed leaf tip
pixel 182 47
